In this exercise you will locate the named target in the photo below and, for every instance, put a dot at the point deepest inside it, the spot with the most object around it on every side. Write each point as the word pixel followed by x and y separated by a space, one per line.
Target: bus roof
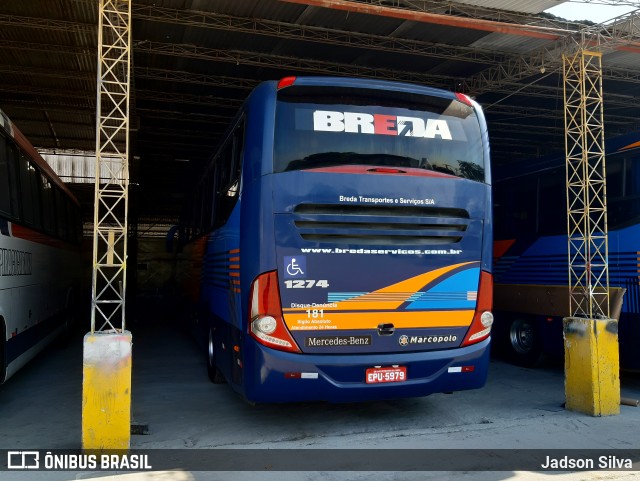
pixel 25 145
pixel 373 84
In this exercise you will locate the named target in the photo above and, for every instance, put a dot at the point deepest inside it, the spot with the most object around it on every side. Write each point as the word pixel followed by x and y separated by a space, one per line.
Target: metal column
pixel 112 172
pixel 106 376
pixel 586 186
pixel 592 381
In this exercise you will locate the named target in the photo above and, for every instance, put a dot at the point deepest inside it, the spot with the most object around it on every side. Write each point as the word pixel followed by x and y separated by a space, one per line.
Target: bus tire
pixel 525 342
pixel 70 322
pixel 215 375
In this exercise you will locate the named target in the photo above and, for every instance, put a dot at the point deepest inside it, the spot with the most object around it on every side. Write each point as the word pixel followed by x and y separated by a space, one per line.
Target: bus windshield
pixel 317 127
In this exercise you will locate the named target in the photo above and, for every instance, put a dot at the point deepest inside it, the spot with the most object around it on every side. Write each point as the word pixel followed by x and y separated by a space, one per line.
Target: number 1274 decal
pixel 306 284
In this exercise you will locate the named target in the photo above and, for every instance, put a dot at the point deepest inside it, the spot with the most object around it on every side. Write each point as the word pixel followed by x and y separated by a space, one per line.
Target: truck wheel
pixel 215 375
pixel 525 342
pixel 70 322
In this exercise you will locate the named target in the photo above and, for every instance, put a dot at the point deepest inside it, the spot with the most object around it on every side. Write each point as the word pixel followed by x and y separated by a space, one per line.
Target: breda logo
pixel 379 124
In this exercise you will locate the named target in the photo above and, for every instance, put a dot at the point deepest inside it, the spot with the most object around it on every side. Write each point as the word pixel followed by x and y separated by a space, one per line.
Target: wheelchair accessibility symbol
pixel 295 266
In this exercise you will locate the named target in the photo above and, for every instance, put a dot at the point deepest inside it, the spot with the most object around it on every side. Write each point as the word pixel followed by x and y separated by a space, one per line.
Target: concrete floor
pixel 40 408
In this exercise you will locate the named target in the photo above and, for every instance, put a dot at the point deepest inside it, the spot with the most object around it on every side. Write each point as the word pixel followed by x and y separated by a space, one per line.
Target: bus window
pixel 30 193
pixel 523 199
pixel 228 178
pixel 501 212
pixel 623 194
pixel 236 161
pixel 632 184
pixel 316 128
pixel 48 206
pixel 197 212
pixel 8 183
pixel 552 201
pixel 61 215
pixel 207 204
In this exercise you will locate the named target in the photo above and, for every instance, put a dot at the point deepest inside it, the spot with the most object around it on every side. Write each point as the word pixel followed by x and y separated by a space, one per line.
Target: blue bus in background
pixel 340 241
pixel 531 259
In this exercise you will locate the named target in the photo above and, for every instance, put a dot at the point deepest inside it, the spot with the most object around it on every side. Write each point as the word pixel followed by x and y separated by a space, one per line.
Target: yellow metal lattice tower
pixel 586 185
pixel 592 381
pixel 106 381
pixel 112 171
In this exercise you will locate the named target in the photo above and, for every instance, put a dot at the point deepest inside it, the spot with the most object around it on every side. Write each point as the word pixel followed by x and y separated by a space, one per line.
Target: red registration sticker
pixel 376 375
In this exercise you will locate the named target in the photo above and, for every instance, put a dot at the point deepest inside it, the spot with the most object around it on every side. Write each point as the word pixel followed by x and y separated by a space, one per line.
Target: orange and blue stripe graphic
pixel 629 146
pixel 444 297
pixel 222 269
pixel 234 270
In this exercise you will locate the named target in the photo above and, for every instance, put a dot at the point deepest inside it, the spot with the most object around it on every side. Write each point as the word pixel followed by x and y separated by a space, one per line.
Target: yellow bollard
pixel 592 366
pixel 106 391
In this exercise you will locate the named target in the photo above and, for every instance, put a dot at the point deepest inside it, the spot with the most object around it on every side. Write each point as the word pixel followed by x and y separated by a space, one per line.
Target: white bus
pixel 40 262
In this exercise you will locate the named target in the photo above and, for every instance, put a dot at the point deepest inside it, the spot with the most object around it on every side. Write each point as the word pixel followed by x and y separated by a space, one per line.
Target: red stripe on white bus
pixel 31 235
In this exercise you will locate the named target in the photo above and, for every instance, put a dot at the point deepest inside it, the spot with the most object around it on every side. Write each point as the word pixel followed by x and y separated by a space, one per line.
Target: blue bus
pixel 339 243
pixel 531 259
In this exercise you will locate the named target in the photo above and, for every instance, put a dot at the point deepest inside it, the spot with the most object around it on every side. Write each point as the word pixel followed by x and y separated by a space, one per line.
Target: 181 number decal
pixel 305 284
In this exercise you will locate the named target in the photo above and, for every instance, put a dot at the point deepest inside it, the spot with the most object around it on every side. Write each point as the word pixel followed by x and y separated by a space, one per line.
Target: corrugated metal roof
pixel 76 168
pixel 530 6
pixel 511 44
pixel 625 60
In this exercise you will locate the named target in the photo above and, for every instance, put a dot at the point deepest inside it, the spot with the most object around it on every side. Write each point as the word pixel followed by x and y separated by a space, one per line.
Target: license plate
pixel 375 375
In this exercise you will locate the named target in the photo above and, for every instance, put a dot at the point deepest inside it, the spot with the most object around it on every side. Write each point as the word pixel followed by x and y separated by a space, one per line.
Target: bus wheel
pixel 69 324
pixel 525 342
pixel 215 375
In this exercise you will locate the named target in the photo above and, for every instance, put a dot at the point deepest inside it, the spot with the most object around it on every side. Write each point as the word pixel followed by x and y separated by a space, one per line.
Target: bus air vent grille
pixel 380 225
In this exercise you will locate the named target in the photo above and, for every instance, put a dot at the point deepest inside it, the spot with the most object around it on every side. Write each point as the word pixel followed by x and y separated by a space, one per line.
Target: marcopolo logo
pixel 405 340
pixel 379 124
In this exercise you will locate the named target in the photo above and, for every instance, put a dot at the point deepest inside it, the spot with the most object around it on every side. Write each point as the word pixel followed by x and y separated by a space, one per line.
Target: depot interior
pixel 195 61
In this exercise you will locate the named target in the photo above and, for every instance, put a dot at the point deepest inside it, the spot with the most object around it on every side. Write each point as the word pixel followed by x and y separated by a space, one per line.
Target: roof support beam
pixel 46 141
pixel 307 33
pixel 447 20
pixel 623 34
pixel 616 3
pixel 505 68
pixel 475 11
pixel 291 64
pixel 46 24
pixel 195 78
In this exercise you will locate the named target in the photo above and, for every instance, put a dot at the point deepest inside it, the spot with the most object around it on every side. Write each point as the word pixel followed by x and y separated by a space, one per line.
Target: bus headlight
pixel 486 319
